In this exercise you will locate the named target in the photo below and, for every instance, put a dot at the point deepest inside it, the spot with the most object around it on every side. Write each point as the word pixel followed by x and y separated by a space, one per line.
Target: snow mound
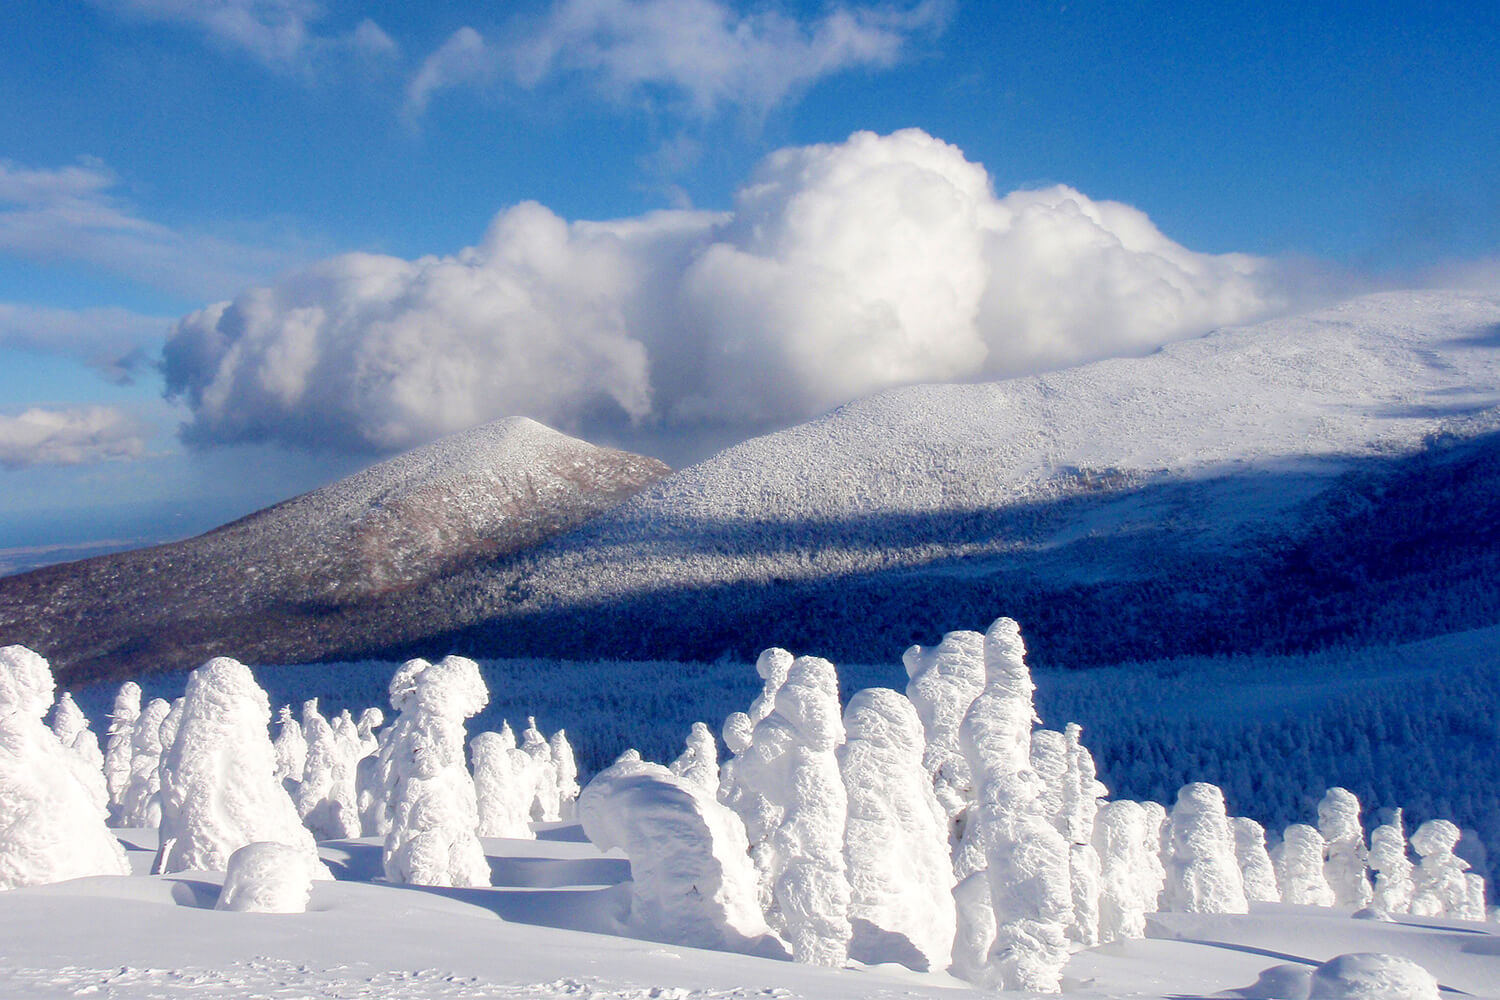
pixel 1371 977
pixel 267 877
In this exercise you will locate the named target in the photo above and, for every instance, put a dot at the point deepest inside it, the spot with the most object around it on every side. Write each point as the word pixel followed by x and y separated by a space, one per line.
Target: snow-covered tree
pixel 326 798
pixel 546 806
pixel 1082 792
pixel 1345 856
pixel 1158 846
pixel 1440 888
pixel 1130 874
pixel 377 777
pixel 503 795
pixel 140 806
pixel 220 790
pixel 1299 867
pixel 1025 857
pixel 896 838
pixel 268 877
pixel 291 750
pixel 691 878
pixel 792 762
pixel 567 772
pixel 1393 888
pixel 1203 875
pixel 117 747
pixel 699 762
pixel 370 720
pixel 434 813
pixel 772 666
pixel 53 826
pixel 1256 869
pixel 71 727
pixel 943 682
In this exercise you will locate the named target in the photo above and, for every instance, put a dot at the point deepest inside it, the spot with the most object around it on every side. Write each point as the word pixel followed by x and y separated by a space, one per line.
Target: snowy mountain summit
pixel 284 582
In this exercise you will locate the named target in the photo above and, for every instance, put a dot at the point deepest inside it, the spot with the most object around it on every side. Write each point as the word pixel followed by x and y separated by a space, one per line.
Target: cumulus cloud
pixel 279 33
pixel 117 343
pixel 843 269
pixel 72 213
pixel 70 437
pixel 704 54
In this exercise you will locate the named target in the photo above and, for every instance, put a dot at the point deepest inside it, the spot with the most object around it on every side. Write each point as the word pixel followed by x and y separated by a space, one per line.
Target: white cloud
pixel 71 213
pixel 279 33
pixel 704 54
pixel 69 437
pixel 117 343
pixel 843 269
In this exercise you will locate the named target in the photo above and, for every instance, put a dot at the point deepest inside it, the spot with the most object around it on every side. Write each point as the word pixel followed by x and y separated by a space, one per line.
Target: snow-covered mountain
pixel 282 583
pixel 1317 479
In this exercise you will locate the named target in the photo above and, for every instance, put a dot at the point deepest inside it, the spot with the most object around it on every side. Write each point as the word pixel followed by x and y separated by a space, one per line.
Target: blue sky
pixel 157 156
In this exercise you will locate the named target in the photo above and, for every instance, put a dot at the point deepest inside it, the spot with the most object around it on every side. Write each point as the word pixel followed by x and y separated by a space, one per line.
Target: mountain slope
pixel 282 583
pixel 1205 498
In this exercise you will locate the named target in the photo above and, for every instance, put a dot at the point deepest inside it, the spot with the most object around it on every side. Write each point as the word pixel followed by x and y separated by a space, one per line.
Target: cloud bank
pixel 843 269
pixel 117 343
pixel 69 437
pixel 702 54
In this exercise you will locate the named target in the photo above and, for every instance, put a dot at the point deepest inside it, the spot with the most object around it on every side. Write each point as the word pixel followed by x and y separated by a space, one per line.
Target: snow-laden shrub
pixel 699 762
pixel 1393 871
pixel 1299 867
pixel 1203 875
pixel 326 796
pixel 53 826
pixel 117 747
pixel 546 804
pixel 1371 977
pixel 943 682
pixel 434 815
pixel 1345 855
pixel 140 806
pixel 1440 887
pixel 567 772
pixel 71 727
pixel 1129 870
pixel 792 762
pixel 1256 869
pixel 691 878
pixel 502 793
pixel 268 877
pixel 1025 857
pixel 291 750
pixel 896 838
pixel 219 788
pixel 772 666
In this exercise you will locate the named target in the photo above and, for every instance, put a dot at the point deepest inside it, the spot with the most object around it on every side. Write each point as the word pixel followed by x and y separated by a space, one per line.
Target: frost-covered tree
pixel 792 762
pixel 53 826
pixel 268 877
pixel 140 806
pixel 772 666
pixel 291 750
pixel 1299 867
pixel 434 813
pixel 1158 846
pixel 1025 857
pixel 1440 886
pixel 502 794
pixel 117 747
pixel 370 720
pixel 1082 792
pixel 896 838
pixel 377 777
pixel 699 762
pixel 943 682
pixel 1129 871
pixel 169 727
pixel 691 878
pixel 567 772
pixel 220 790
pixel 326 798
pixel 1346 857
pixel 71 727
pixel 1256 869
pixel 1393 888
pixel 546 805
pixel 1203 875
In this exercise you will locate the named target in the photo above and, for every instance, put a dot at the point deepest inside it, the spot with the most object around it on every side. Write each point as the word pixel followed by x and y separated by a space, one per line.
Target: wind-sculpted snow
pixel 488 491
pixel 691 877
